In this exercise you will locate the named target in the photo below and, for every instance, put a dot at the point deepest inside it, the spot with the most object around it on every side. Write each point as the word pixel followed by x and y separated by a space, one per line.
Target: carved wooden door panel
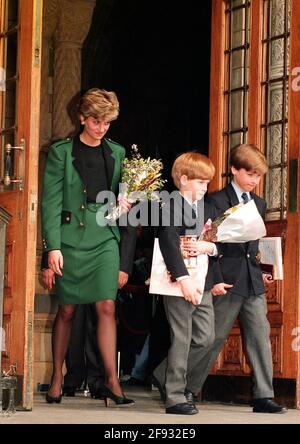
pixel 250 96
pixel 20 40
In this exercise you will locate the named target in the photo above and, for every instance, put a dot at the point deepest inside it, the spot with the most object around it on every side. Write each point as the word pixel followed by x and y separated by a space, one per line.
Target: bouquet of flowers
pixel 241 223
pixel 140 179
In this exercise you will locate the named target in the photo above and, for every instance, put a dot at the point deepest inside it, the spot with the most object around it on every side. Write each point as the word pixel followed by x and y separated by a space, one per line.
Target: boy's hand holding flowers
pixel 192 248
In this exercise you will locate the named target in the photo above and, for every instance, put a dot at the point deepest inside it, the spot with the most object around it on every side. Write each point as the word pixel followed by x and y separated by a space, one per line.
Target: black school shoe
pixel 162 390
pixel 183 408
pixel 267 405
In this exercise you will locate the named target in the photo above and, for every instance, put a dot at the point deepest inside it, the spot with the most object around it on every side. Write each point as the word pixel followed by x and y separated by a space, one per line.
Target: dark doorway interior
pixel 156 56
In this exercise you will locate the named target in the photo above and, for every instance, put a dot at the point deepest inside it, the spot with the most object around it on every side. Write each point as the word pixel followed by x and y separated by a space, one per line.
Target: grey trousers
pixel 256 332
pixel 192 333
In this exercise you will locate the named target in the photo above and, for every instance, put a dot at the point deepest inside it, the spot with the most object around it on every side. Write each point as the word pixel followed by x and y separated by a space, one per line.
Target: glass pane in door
pixel 8 92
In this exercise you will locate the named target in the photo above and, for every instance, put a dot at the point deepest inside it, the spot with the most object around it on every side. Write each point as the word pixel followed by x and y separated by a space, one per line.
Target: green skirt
pixel 91 269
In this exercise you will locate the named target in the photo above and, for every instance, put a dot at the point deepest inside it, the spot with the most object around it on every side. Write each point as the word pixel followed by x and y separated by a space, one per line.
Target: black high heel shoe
pixel 51 399
pixel 118 400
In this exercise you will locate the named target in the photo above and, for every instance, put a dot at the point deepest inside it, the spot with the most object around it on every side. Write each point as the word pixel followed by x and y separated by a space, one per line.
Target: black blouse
pixel 95 176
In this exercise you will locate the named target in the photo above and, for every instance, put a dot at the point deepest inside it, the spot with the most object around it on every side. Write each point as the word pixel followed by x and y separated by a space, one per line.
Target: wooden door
pixel 20 53
pixel 254 55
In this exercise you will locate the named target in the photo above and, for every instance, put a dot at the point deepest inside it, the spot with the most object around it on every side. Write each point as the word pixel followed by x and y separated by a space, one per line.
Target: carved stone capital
pixel 50 18
pixel 66 24
pixel 74 20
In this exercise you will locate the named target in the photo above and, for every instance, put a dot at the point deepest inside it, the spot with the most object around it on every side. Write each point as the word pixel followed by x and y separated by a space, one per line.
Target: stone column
pixel 74 19
pixel 65 26
pixel 50 20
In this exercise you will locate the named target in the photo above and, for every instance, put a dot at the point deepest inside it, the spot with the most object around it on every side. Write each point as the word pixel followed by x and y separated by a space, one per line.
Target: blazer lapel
pixel 77 161
pixel 231 194
pixel 189 217
pixel 257 203
pixel 109 159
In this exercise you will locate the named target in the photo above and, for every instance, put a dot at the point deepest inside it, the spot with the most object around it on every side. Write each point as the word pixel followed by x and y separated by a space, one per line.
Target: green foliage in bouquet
pixel 140 179
pixel 143 175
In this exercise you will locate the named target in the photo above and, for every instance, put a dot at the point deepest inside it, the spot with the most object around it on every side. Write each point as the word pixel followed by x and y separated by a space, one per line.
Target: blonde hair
pixel 100 104
pixel 248 157
pixel 194 166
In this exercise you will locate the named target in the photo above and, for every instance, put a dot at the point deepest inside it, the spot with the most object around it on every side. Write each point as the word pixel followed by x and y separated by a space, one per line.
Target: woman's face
pixel 94 129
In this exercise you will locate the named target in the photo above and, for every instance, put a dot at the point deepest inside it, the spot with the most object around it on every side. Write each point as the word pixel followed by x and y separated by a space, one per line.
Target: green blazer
pixel 64 193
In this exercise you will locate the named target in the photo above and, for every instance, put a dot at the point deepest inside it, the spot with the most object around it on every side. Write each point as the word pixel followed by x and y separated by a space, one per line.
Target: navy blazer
pixel 237 264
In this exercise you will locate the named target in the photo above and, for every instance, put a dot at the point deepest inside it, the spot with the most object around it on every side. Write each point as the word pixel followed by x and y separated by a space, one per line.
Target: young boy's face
pixel 193 189
pixel 246 180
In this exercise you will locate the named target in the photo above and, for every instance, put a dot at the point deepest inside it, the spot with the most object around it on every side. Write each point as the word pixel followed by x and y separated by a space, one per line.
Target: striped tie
pixel 245 197
pixel 194 208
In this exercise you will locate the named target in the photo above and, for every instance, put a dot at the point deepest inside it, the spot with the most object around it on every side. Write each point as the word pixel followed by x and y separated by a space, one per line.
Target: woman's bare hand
pixel 48 278
pixel 124 203
pixel 123 279
pixel 55 261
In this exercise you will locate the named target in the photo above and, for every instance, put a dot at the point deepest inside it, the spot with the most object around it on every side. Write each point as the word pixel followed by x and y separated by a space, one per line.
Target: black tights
pixel 106 336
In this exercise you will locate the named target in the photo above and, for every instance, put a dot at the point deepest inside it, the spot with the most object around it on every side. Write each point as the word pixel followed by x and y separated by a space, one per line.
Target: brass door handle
pixel 7 180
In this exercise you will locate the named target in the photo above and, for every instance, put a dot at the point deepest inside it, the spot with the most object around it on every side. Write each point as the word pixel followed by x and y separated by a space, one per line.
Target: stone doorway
pixel 156 56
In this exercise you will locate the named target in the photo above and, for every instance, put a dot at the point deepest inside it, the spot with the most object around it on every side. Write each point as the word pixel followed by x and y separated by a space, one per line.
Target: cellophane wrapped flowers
pixel 140 180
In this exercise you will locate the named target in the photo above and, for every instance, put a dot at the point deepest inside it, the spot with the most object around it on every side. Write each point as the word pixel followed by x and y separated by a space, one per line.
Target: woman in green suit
pixel 84 254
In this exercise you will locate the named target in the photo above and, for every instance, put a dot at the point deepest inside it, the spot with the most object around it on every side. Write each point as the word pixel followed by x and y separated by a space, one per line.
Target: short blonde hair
pixel 248 157
pixel 100 104
pixel 193 165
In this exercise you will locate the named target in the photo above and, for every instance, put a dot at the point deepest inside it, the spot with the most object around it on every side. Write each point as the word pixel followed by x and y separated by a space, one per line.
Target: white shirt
pixel 215 251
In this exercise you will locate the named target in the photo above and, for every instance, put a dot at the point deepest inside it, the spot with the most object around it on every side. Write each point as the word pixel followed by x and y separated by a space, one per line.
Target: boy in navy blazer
pixel 191 323
pixel 239 288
